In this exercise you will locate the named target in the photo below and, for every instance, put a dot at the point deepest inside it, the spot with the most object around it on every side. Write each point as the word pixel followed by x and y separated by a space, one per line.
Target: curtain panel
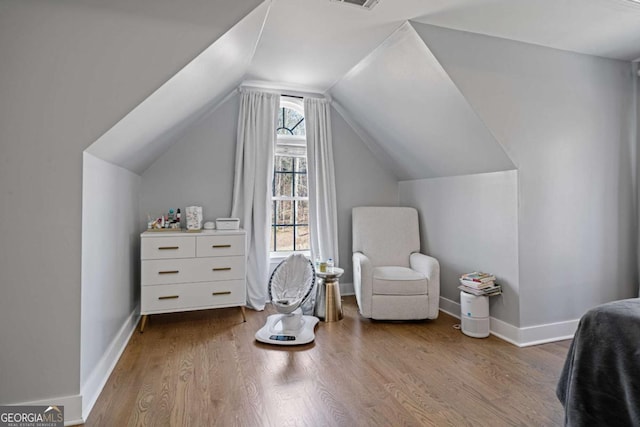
pixel 252 185
pixel 323 222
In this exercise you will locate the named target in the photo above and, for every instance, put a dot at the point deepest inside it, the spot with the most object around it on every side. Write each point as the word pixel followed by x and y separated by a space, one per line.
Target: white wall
pixel 415 114
pixel 110 269
pixel 360 181
pixel 566 121
pixel 470 223
pixel 137 140
pixel 198 169
pixel 69 71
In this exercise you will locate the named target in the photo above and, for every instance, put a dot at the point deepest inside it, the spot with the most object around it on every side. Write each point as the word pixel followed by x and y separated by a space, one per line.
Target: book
pixel 478 276
pixel 488 292
pixel 476 285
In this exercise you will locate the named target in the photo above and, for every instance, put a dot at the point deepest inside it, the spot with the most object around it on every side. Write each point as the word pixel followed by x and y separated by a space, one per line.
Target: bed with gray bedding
pixel 600 382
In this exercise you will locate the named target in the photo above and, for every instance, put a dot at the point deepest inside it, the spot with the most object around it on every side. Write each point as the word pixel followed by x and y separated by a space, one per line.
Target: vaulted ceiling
pixel 374 64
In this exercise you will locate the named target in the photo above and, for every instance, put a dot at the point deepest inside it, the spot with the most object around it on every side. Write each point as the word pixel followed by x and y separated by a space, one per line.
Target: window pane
pixel 302 212
pixel 300 129
pixel 284 212
pixel 272 239
pixel 283 163
pixel 283 184
pixel 281 130
pixel 301 164
pixel 290 122
pixel 291 117
pixel 273 213
pixel 302 238
pixel 301 185
pixel 284 238
pixel 294 121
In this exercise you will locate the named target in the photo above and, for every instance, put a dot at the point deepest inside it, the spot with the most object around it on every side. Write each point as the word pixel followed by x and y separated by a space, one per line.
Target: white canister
pixel 194 217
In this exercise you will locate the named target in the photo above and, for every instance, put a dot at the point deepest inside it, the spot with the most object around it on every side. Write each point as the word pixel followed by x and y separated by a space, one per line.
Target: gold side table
pixel 328 303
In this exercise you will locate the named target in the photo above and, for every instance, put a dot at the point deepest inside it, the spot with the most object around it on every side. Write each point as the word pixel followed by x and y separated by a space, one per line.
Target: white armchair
pixel 392 280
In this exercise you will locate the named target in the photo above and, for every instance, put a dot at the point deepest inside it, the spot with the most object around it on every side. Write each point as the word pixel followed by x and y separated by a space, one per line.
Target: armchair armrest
pixel 430 267
pixel 363 282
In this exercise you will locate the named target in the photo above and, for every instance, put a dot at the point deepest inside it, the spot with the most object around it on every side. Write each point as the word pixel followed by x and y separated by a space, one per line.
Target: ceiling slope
pixel 311 44
pixel 137 140
pixel 415 114
pixel 608 28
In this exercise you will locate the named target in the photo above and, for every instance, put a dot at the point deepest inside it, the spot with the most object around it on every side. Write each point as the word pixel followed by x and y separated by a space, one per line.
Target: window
pixel 290 198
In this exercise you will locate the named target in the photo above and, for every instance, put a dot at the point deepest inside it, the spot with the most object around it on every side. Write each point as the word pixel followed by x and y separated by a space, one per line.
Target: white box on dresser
pixel 192 271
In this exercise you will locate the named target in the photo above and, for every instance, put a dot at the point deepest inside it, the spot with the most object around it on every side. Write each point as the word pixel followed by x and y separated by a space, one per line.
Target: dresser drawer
pixel 220 268
pixel 189 296
pixel 168 247
pixel 208 246
pixel 167 271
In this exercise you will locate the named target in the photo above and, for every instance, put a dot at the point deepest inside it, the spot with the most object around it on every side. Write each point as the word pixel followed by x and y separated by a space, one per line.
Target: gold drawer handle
pixel 170 297
pixel 220 246
pixel 168 248
pixel 169 272
pixel 222 269
pixel 222 293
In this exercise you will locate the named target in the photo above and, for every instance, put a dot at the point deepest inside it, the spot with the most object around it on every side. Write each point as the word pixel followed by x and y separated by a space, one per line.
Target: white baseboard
pixel 72 407
pixel 92 387
pixel 452 308
pixel 522 337
pixel 78 407
pixel 505 331
pixel 550 332
pixel 346 289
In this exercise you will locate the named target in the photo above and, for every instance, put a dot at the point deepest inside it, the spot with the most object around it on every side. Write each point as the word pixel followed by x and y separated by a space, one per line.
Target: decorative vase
pixel 194 217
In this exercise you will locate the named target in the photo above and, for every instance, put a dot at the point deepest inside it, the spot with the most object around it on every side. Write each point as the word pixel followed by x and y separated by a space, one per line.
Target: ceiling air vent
pixel 366 4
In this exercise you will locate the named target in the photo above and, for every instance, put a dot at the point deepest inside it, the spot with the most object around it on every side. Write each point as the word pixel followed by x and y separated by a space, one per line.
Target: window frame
pixel 283 140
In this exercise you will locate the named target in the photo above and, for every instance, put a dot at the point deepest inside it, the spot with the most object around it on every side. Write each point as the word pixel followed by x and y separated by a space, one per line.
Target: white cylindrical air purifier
pixel 475 315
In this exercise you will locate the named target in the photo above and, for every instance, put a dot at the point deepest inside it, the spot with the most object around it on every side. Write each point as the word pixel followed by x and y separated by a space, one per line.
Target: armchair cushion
pixel 386 235
pixel 391 280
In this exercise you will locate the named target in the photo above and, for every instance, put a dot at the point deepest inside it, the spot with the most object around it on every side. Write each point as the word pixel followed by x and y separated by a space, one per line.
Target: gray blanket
pixel 600 381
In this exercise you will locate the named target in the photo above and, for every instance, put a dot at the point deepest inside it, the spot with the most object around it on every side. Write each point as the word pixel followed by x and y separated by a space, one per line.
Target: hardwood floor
pixel 205 368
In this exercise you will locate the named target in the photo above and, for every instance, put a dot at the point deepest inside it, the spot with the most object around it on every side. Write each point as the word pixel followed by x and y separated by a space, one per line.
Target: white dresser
pixel 192 271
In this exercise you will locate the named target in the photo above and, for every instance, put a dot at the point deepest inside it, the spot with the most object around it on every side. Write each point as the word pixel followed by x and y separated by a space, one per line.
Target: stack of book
pixel 479 283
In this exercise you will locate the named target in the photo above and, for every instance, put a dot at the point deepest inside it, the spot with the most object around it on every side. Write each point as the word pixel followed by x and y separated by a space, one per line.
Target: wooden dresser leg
pixel 143 322
pixel 244 318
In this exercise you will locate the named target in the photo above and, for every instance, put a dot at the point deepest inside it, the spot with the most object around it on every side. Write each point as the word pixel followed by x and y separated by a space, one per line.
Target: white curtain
pixel 252 185
pixel 323 222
